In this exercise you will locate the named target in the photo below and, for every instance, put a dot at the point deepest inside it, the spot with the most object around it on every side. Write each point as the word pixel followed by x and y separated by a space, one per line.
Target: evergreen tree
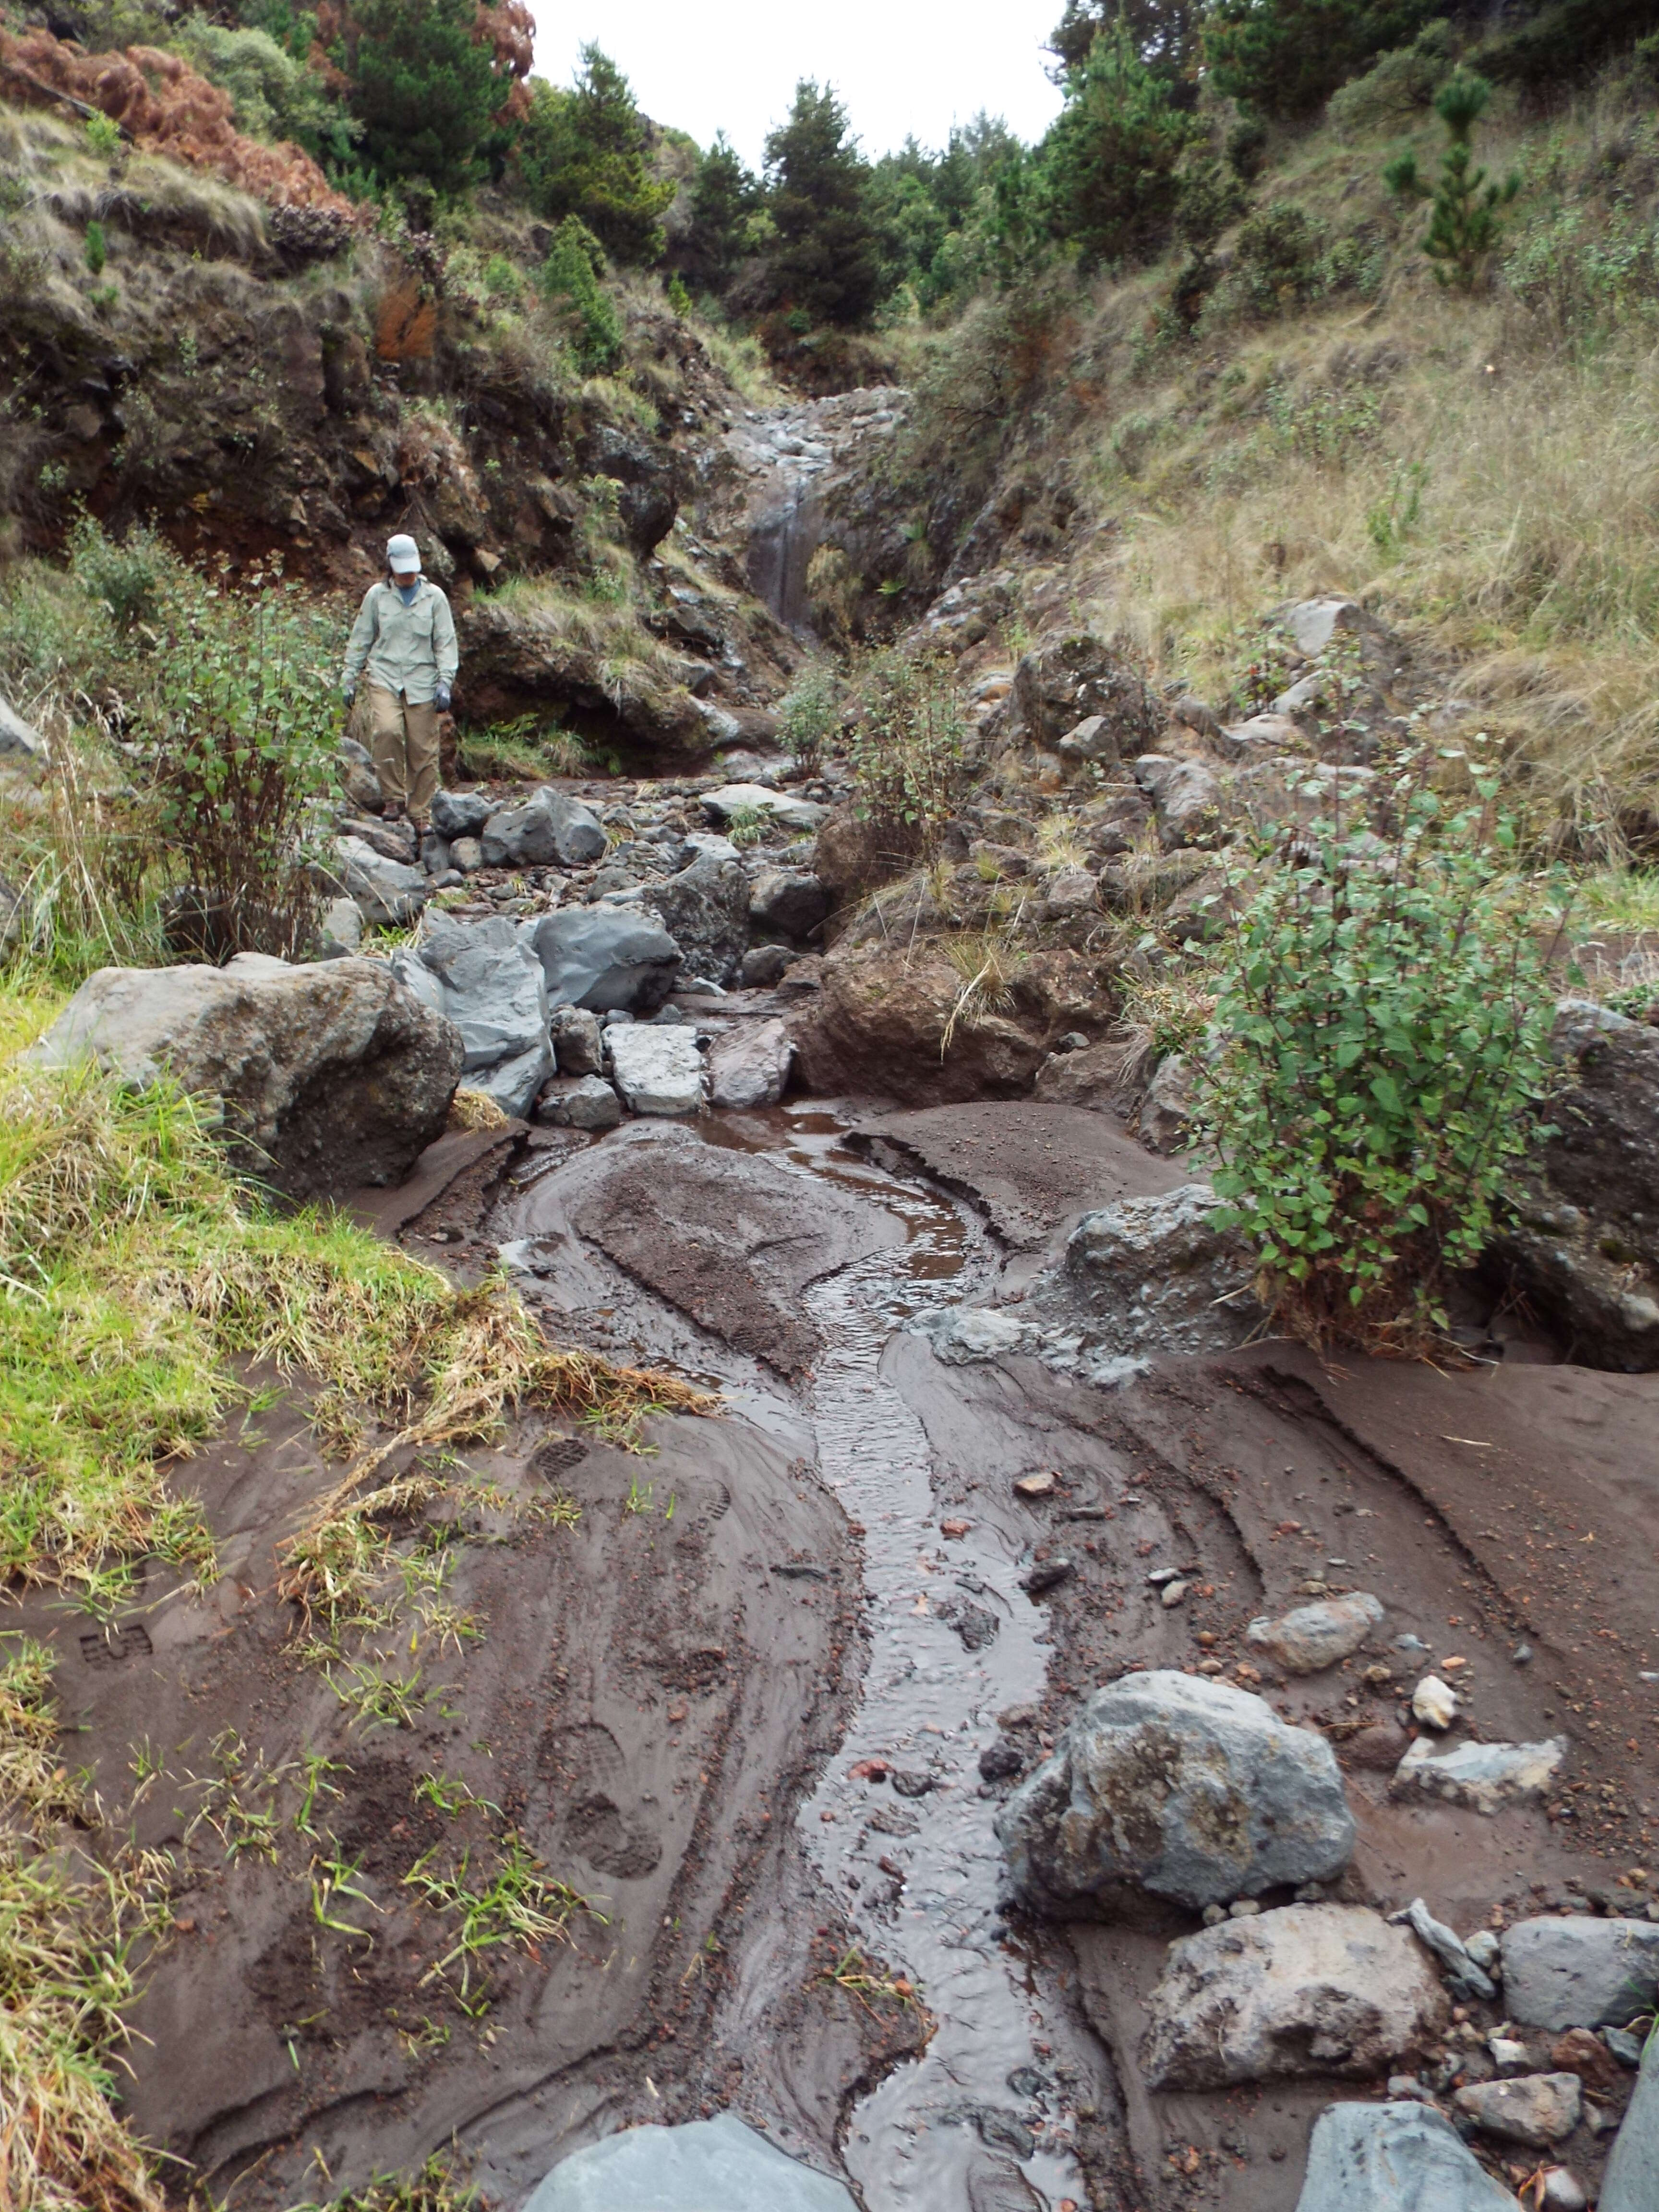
pixel 724 198
pixel 584 153
pixel 1109 160
pixel 1285 57
pixel 426 91
pixel 571 275
pixel 1166 34
pixel 826 264
pixel 1464 222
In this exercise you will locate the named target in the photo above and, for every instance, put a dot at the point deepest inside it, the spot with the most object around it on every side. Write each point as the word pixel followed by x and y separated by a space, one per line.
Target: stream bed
pixel 899 1826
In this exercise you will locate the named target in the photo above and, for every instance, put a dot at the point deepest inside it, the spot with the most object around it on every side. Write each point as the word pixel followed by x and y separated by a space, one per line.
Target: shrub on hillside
pixel 1398 85
pixel 908 751
pixel 826 264
pixel 1463 221
pixel 1110 162
pixel 584 153
pixel 809 715
pixel 571 276
pixel 1384 1016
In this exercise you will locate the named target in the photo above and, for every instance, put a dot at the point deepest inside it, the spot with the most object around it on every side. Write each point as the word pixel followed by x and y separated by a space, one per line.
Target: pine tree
pixel 1463 221
pixel 826 264
pixel 723 200
pixel 1109 160
pixel 585 153
pixel 425 89
pixel 1285 57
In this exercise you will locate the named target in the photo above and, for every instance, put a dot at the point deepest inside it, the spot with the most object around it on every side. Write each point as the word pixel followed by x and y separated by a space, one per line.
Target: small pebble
pixel 1244 1908
pixel 1434 1703
pixel 1174 1593
pixel 1563 2192
pixel 1521 1654
pixel 1213 1916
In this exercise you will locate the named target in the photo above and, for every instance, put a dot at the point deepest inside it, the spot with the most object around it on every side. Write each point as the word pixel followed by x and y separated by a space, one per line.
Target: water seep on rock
pixel 706 2165
pixel 1169 1786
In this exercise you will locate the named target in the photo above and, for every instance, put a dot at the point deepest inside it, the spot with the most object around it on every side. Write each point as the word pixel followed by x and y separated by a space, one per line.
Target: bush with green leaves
pixel 810 715
pixel 426 92
pixel 909 749
pixel 1110 162
pixel 571 274
pixel 585 152
pixel 1383 1015
pixel 1285 57
pixel 236 728
pixel 1463 221
pixel 127 575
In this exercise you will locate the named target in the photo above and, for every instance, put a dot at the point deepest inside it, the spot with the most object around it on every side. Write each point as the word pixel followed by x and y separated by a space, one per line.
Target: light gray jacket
pixel 410 649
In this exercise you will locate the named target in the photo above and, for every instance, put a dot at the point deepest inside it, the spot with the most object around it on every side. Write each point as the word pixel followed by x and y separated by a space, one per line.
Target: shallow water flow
pixel 953 1643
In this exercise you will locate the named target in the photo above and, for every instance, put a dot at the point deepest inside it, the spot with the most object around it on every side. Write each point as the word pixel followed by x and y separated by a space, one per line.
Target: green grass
pixel 1622 900
pixel 513 1904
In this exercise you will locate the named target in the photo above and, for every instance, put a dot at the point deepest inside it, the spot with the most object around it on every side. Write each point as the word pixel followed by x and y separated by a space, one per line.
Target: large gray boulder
pixel 388 893
pixel 329 1076
pixel 1188 798
pixel 605 958
pixel 656 1070
pixel 1395 2158
pixel 1154 1275
pixel 1075 678
pixel 21 744
pixel 706 2165
pixel 750 1066
pixel 1567 1972
pixel 1585 1245
pixel 788 903
pixel 461 813
pixel 549 828
pixel 1168 1785
pixel 802 815
pixel 1535 2109
pixel 489 983
pixel 1631 2181
pixel 1311 1989
pixel 705 910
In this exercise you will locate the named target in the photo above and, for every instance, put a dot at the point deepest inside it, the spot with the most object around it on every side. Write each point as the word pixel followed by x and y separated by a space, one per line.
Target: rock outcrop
pixel 1395 2158
pixel 489 983
pixel 605 959
pixel 1169 1786
pixel 328 1077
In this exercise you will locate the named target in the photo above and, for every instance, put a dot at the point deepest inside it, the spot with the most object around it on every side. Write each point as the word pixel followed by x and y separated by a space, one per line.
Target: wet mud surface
pixel 741 1703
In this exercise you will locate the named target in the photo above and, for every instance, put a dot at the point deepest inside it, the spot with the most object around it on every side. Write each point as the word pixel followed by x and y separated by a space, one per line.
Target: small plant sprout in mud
pixel 855 1974
pixel 377 1699
pixel 316 1783
pixel 431 2188
pixel 515 1904
pixel 640 1500
pixel 334 1889
pixel 449 1796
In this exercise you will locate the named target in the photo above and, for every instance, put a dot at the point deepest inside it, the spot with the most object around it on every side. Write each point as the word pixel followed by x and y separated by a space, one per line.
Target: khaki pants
pixel 403 740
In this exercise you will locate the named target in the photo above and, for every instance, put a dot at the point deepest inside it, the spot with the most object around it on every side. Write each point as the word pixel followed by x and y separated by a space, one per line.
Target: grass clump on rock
pixel 1384 1015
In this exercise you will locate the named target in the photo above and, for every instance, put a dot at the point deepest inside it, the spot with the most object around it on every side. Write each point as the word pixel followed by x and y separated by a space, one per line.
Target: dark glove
pixel 348 692
pixel 440 698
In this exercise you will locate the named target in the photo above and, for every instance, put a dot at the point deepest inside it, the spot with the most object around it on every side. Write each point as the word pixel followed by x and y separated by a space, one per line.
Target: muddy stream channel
pixel 953 1642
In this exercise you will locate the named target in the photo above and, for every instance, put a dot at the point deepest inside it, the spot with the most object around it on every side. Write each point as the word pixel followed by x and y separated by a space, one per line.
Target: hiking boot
pixel 392 811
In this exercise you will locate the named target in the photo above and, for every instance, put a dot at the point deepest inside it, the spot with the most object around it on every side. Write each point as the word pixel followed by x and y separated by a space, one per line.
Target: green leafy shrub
pixel 1383 1014
pixel 1463 222
pixel 1285 57
pixel 236 730
pixel 1278 260
pixel 424 89
pixel 1398 84
pixel 1110 161
pixel 125 575
pixel 810 715
pixel 585 152
pixel 104 137
pixel 571 273
pixel 908 750
pixel 94 248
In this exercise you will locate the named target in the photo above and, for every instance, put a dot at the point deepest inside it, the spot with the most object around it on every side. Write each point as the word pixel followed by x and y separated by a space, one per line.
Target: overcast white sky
pixel 900 66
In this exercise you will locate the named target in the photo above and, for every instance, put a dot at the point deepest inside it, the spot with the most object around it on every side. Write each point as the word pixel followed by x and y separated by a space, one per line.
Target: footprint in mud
pixel 586 1765
pixel 558 1456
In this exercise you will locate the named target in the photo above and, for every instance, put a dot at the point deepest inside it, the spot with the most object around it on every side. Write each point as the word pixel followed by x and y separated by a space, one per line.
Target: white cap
pixel 403 557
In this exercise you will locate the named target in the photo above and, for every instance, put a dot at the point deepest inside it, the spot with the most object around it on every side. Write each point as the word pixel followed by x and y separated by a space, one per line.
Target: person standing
pixel 404 639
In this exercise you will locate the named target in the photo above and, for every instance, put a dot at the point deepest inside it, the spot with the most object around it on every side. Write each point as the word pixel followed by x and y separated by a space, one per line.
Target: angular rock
pixel 656 1070
pixel 578 1102
pixel 1482 1776
pixel 1165 1125
pixel 804 815
pixel 1434 1703
pixel 21 744
pixel 1074 678
pixel 1395 2158
pixel 1536 2109
pixel 1561 1971
pixel 790 902
pixel 1188 799
pixel 1631 2183
pixel 329 1076
pixel 548 827
pixel 605 959
pixel 388 893
pixel 1093 739
pixel 705 2166
pixel 460 813
pixel 466 853
pixel 1309 1989
pixel 750 1066
pixel 1466 1975
pixel 393 841
pixel 1153 1274
pixel 1311 1637
pixel 1584 1249
pixel 494 991
pixel 1313 624
pixel 705 910
pixel 1178 1787
pixel 358 779
pixel 763 966
pixel 1069 891
pixel 341 929
pixel 647 496
pixel 513 1083
pixel 578 1044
